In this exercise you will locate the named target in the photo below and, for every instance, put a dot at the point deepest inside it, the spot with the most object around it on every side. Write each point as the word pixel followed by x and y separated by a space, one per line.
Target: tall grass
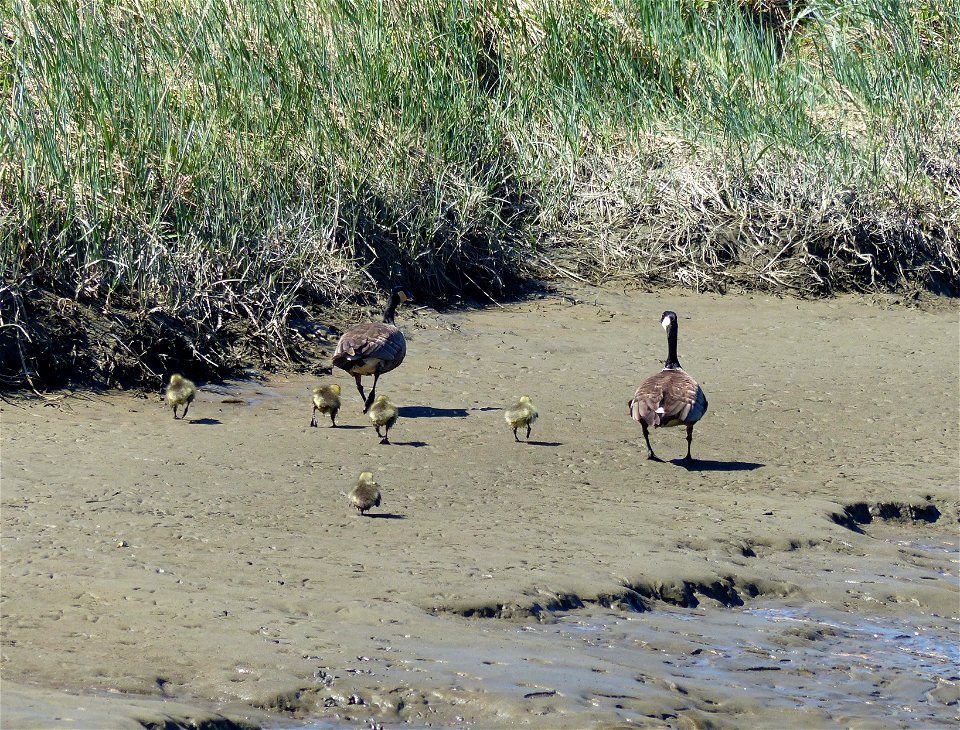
pixel 235 160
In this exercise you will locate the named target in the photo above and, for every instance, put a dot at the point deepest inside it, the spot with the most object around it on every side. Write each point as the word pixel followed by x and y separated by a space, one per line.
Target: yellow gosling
pixel 384 414
pixel 326 399
pixel 180 392
pixel 522 413
pixel 366 494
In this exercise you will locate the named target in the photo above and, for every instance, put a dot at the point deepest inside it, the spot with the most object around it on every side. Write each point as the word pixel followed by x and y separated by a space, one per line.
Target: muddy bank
pixel 216 563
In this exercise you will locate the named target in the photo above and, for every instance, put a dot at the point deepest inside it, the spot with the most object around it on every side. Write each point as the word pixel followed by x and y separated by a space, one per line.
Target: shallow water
pixel 802 662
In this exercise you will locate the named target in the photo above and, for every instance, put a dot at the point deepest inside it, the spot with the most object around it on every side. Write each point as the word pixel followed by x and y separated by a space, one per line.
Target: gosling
pixel 366 494
pixel 180 392
pixel 326 399
pixel 384 414
pixel 522 413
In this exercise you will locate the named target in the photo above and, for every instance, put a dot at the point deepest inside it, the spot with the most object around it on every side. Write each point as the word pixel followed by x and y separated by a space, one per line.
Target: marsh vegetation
pixel 182 183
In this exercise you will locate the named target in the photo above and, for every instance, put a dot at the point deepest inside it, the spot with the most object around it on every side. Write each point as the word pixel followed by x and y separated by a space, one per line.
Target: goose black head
pixel 668 319
pixel 401 294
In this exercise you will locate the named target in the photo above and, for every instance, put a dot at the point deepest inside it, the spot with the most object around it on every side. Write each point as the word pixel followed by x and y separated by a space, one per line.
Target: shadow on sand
pixel 204 421
pixel 543 443
pixel 710 465
pixel 385 516
pixel 414 444
pixel 430 412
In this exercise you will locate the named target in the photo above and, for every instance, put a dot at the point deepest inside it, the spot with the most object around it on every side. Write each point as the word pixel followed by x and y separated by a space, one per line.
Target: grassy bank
pixel 217 168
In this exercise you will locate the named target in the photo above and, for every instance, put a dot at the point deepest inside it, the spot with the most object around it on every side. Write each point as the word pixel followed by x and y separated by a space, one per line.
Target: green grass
pixel 224 160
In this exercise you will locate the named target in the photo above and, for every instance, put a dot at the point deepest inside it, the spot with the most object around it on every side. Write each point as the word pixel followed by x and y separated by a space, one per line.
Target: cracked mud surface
pixel 802 571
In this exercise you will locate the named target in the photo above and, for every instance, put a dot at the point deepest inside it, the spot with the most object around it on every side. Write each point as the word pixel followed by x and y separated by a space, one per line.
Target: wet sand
pixel 213 568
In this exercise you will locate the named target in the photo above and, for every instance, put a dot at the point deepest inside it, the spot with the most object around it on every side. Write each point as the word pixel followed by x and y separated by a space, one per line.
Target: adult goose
pixel 669 398
pixel 373 348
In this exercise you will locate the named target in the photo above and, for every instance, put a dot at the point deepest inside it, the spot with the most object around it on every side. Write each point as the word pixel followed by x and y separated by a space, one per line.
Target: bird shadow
pixel 544 443
pixel 414 444
pixel 430 412
pixel 385 516
pixel 204 421
pixel 346 427
pixel 487 408
pixel 711 465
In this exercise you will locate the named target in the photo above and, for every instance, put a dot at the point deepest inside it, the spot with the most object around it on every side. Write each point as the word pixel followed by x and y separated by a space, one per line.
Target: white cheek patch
pixel 665 322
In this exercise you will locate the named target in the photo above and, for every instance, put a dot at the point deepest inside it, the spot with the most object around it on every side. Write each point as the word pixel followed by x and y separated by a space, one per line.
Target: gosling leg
pixel 528 433
pixel 185 409
pixel 313 421
pixel 515 437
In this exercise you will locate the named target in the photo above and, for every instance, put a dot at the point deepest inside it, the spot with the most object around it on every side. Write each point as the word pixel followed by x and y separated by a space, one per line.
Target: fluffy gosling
pixel 326 399
pixel 180 392
pixel 384 414
pixel 522 413
pixel 366 494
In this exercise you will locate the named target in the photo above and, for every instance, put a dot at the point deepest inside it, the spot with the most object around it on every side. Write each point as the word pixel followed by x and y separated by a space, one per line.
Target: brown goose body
pixel 372 348
pixel 670 397
pixel 366 493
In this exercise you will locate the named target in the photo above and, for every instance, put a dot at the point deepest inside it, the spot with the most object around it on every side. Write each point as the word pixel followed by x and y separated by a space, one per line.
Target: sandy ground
pixel 156 570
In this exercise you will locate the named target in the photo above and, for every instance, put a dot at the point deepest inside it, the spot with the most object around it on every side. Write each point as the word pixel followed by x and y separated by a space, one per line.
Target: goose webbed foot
pixel 385 440
pixel 653 457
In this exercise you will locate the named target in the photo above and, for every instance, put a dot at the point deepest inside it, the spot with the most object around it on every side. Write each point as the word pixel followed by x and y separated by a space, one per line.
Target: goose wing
pixel 372 340
pixel 669 398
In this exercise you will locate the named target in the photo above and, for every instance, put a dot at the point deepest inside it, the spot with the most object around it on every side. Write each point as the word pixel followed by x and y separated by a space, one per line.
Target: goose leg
pixel 515 437
pixel 175 413
pixel 689 441
pixel 373 393
pixel 528 433
pixel 313 421
pixel 386 436
pixel 185 409
pixel 333 418
pixel 363 396
pixel 646 436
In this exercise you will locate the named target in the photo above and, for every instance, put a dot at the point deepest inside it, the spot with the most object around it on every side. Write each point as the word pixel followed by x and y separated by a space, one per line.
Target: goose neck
pixel 672 360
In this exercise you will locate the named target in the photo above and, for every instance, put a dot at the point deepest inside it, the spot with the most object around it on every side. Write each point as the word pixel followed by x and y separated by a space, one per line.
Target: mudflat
pixel 802 571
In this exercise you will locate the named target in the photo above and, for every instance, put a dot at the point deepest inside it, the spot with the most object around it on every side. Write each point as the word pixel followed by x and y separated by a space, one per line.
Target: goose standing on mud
pixel 326 399
pixel 366 494
pixel 180 392
pixel 669 398
pixel 373 348
pixel 522 413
